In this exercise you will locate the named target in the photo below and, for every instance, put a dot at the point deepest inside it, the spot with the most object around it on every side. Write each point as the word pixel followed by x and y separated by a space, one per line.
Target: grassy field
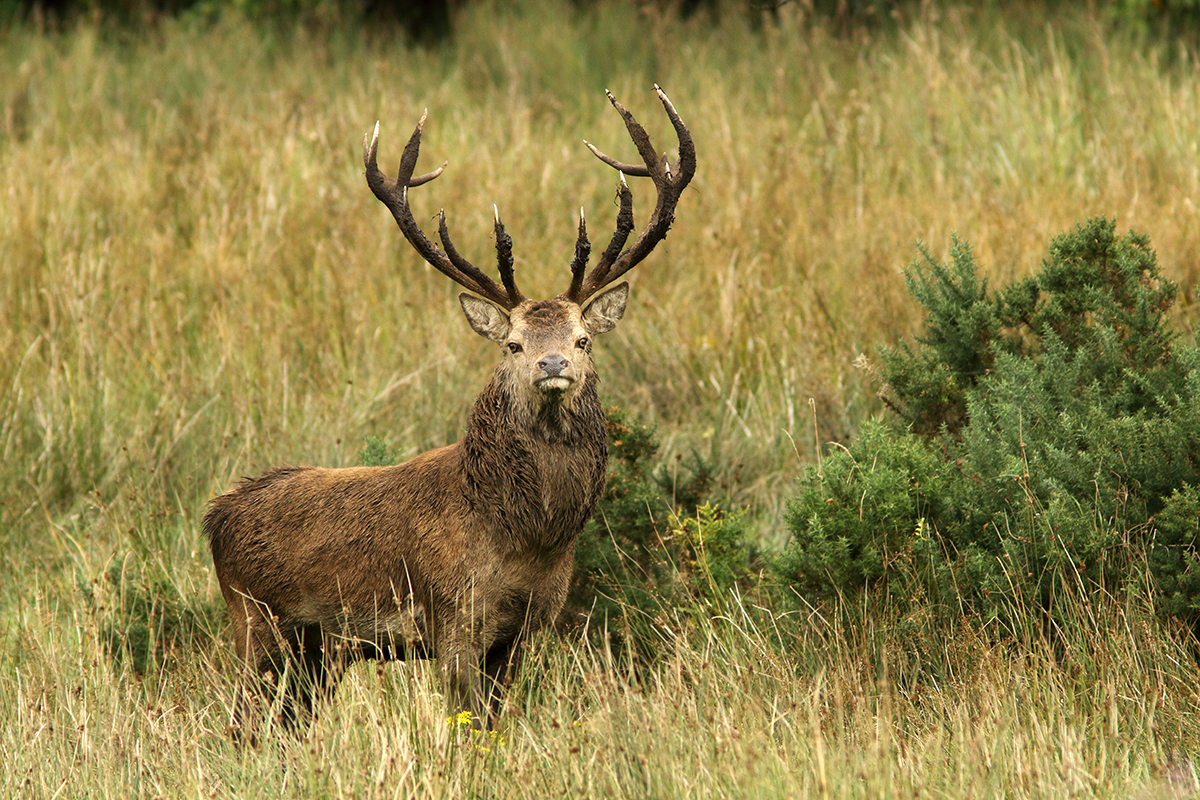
pixel 196 284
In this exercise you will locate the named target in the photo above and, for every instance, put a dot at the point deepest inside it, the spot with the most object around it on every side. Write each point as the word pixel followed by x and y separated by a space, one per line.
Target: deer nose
pixel 553 365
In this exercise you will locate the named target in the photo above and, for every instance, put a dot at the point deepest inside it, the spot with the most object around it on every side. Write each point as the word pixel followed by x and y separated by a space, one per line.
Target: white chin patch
pixel 553 384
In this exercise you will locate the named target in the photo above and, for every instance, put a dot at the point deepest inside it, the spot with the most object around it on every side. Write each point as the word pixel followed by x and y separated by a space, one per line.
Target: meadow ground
pixel 196 284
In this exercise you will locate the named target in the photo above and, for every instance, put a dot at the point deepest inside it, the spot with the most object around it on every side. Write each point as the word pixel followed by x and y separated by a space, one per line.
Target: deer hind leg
pixel 285 668
pixel 310 669
pixel 260 648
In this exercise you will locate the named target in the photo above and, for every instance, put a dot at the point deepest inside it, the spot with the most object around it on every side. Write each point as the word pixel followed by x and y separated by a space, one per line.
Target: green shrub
pixel 1174 554
pixel 1051 434
pixel 376 453
pixel 638 553
pixel 863 509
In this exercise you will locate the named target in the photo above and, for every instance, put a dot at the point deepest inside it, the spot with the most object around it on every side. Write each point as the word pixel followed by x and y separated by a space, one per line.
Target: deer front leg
pixel 499 666
pixel 460 664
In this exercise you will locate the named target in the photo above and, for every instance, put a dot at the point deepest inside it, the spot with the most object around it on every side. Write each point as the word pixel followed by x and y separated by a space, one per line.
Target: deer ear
pixel 486 318
pixel 602 313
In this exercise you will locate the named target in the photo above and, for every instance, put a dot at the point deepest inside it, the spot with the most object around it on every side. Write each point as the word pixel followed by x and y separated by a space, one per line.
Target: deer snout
pixel 554 372
pixel 553 365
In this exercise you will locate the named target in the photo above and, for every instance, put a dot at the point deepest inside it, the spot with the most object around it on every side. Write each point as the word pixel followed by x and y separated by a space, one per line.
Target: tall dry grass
pixel 196 284
pixel 751 704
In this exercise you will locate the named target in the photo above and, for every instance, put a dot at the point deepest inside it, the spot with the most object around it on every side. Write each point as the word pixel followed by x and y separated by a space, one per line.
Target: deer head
pixel 547 341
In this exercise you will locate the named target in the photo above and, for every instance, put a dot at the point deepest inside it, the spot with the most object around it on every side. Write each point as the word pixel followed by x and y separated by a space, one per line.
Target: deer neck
pixel 535 471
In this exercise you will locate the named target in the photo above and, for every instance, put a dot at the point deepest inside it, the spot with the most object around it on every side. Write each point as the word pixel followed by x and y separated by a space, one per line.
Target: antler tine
pixel 621 234
pixel 473 273
pixel 669 183
pixel 640 139
pixel 504 257
pixel 583 251
pixel 394 195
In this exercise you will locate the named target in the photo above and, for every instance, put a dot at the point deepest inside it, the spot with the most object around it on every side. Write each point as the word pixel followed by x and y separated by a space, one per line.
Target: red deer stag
pixel 464 551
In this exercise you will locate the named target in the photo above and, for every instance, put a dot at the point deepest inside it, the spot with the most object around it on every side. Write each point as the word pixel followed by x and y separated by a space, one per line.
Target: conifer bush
pixel 640 552
pixel 1046 434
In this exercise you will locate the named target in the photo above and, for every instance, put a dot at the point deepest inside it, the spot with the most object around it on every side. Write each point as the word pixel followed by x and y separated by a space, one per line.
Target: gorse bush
pixel 1099 304
pixel 611 566
pixel 376 452
pixel 1051 434
pixel 655 540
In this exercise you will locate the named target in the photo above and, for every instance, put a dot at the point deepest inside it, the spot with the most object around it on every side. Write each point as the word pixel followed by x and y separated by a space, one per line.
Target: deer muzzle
pixel 554 373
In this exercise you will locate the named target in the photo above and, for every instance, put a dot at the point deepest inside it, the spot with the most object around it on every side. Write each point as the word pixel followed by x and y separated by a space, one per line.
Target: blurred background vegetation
pixel 426 20
pixel 903 480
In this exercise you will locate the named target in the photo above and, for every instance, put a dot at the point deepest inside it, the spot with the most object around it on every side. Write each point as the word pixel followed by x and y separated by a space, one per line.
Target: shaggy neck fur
pixel 535 470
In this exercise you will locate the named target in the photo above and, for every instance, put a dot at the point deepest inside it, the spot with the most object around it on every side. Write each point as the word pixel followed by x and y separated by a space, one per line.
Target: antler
pixel 669 184
pixel 394 195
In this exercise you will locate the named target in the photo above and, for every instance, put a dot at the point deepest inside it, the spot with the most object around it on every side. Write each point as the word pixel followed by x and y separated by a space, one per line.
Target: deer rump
pixel 464 551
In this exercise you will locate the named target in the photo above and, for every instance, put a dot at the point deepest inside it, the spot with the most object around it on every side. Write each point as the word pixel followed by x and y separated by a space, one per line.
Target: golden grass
pixel 195 284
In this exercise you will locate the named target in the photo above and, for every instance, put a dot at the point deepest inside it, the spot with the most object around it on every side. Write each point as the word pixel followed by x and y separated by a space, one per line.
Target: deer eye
pixel 582 343
pixel 514 348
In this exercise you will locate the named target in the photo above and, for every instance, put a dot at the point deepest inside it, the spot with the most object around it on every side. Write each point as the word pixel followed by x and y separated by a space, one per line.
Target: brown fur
pixel 458 554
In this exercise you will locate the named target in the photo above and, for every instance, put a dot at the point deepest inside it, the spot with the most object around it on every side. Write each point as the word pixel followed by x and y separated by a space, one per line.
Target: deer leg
pixel 261 649
pixel 460 667
pixel 320 661
pixel 499 666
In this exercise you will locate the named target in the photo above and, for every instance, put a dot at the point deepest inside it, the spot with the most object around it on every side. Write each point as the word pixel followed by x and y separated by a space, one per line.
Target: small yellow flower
pixel 493 738
pixel 483 739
